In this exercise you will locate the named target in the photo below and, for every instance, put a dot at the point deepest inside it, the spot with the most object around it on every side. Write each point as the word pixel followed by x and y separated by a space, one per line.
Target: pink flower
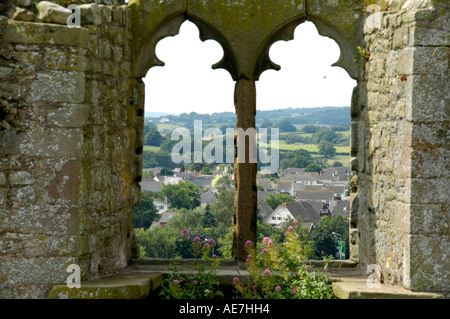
pixel 248 243
pixel 278 288
pixel 212 242
pixel 264 250
pixel 291 228
pixel 235 279
pixel 267 272
pixel 294 291
pixel 185 233
pixel 195 282
pixel 307 267
pixel 176 282
pixel 295 221
pixel 286 233
pixel 197 239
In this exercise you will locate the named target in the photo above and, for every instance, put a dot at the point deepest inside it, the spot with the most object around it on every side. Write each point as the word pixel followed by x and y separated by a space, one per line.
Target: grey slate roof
pixel 302 210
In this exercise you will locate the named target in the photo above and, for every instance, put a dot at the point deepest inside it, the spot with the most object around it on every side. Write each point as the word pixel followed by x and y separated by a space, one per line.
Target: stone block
pixel 3 201
pixel 24 195
pixel 429 267
pixel 52 13
pixel 43 33
pixel 59 180
pixel 58 86
pixel 52 142
pixel 430 135
pixel 69 115
pixel 2 179
pixel 430 163
pixel 90 14
pixel 20 178
pixel 40 270
pixel 22 14
pixel 67 60
pixel 429 219
pixel 429 191
pixel 431 60
pixel 46 219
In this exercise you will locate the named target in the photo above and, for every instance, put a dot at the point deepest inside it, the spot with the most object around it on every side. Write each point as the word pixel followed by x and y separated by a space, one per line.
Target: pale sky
pixel 187 83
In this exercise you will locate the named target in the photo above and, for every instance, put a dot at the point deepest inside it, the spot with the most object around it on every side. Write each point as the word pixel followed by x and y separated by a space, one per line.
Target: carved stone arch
pixel 343 22
pixel 286 33
pixel 207 32
pixel 347 48
pixel 146 53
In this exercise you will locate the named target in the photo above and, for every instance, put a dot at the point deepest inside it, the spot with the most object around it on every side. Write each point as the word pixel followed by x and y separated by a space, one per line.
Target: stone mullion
pixel 245 212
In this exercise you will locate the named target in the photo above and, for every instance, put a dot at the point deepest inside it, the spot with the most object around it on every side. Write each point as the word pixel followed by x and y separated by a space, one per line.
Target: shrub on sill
pixel 281 276
pixel 200 280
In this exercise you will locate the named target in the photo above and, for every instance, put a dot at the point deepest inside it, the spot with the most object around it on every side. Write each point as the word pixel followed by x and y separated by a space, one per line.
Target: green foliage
pixel 208 219
pixel 221 179
pixel 152 137
pixel 167 242
pixel 295 159
pixel 199 280
pixel 286 126
pixel 310 129
pixel 324 242
pixel 222 209
pixel 145 213
pixel 274 200
pixel 182 195
pixel 281 273
pixel 313 167
pixel 326 149
pixel 157 159
pixel 325 134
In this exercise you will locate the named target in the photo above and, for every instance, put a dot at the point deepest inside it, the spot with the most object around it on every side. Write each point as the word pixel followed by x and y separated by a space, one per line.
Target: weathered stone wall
pixel 70 147
pixel 400 125
pixel 71 114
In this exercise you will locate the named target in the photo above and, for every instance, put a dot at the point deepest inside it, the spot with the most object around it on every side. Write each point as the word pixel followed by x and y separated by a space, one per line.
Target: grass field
pixel 151 148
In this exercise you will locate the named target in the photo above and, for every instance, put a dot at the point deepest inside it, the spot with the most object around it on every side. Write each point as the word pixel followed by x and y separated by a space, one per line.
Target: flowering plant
pixel 281 275
pixel 200 281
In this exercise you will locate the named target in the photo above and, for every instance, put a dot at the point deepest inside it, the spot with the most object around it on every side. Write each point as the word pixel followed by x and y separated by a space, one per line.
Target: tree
pixel 286 126
pixel 222 208
pixel 208 219
pixel 325 134
pixel 323 238
pixel 145 213
pixel 221 179
pixel 326 149
pixel 274 200
pixel 182 195
pixel 313 167
pixel 153 137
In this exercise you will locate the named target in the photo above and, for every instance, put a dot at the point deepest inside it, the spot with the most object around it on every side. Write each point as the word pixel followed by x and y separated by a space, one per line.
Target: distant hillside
pixel 330 115
pixel 156 114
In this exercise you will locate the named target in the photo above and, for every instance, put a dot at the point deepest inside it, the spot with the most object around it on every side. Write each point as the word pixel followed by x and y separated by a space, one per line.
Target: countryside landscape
pixel 309 189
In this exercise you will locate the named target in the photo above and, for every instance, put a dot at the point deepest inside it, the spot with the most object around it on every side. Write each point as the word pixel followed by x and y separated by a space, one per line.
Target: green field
pixel 151 148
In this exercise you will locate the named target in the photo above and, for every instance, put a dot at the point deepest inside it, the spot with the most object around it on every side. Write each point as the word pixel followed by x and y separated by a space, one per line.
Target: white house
pixel 162 206
pixel 291 211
